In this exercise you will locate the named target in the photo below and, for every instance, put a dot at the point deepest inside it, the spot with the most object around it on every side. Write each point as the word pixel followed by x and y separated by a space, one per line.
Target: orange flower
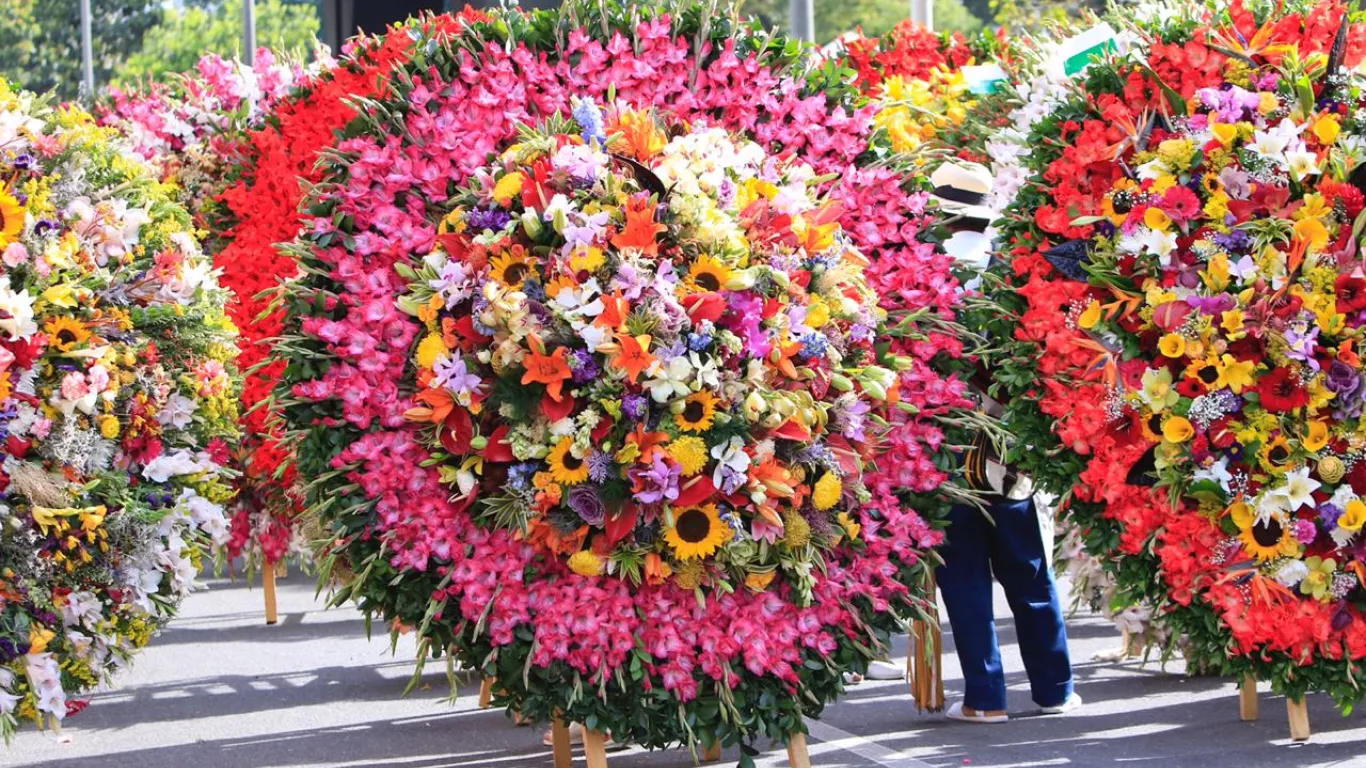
pixel 774 477
pixel 647 442
pixel 656 570
pixel 550 370
pixel 639 133
pixel 641 229
pixel 615 309
pixel 439 405
pixel 781 357
pixel 633 355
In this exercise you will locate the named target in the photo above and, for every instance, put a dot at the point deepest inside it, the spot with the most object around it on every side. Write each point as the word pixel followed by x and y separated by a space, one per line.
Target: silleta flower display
pixel 1185 270
pixel 593 407
pixel 117 403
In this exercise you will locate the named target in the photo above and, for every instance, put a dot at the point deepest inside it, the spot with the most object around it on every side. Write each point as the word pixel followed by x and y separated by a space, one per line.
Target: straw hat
pixel 961 189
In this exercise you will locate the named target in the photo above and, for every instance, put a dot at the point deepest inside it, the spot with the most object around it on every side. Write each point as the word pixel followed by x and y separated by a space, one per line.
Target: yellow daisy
pixel 11 218
pixel 564 466
pixel 66 333
pixel 699 411
pixel 512 268
pixel 697 532
pixel 706 275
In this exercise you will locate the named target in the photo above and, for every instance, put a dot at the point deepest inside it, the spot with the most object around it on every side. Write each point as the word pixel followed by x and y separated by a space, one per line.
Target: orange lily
pixel 781 357
pixel 551 370
pixel 648 442
pixel 641 229
pixel 439 405
pixel 615 308
pixel 774 477
pixel 633 355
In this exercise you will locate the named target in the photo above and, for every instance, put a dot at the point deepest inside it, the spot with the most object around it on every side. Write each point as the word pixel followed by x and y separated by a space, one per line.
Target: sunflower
pixel 707 275
pixel 1269 539
pixel 565 467
pixel 1276 455
pixel 697 532
pixel 66 333
pixel 699 410
pixel 11 218
pixel 512 268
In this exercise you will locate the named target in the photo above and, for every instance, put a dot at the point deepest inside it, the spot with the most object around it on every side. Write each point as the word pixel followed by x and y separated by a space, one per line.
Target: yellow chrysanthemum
pixel 796 530
pixel 697 532
pixel 564 467
pixel 585 563
pixel 507 188
pixel 430 350
pixel 699 411
pixel 690 453
pixel 827 491
pixel 109 427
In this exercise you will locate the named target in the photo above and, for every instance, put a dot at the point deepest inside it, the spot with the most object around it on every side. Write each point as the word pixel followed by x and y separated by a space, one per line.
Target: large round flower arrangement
pixel 117 405
pixel 546 465
pixel 1184 278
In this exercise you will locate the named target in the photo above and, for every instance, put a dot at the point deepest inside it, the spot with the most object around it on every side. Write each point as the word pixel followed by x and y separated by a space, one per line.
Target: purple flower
pixel 480 220
pixel 584 500
pixel 1329 514
pixel 657 482
pixel 1212 305
pixel 1342 379
pixel 634 407
pixel 583 365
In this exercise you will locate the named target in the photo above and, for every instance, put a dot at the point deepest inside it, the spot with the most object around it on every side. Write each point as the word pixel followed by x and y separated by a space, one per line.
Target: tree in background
pixel 40 40
pixel 1032 14
pixel 186 34
pixel 875 17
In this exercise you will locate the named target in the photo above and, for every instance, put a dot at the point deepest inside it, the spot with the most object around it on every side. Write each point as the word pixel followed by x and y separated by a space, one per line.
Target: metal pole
pixel 249 31
pixel 87 53
pixel 922 13
pixel 803 19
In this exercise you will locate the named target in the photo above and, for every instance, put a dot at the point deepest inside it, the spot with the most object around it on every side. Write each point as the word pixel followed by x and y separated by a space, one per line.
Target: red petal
pixel 497 450
pixel 620 525
pixel 556 411
pixel 694 491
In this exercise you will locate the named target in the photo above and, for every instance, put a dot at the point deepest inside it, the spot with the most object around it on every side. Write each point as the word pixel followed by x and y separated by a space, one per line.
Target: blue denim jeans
pixel 1012 551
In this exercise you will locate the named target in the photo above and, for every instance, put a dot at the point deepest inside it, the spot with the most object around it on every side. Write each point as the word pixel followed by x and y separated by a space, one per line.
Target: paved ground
pixel 221 690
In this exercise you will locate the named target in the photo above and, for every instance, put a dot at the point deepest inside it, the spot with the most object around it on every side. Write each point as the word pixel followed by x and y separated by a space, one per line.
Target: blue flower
pixel 589 118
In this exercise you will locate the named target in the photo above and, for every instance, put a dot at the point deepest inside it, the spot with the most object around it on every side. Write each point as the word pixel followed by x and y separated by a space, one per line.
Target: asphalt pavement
pixel 219 689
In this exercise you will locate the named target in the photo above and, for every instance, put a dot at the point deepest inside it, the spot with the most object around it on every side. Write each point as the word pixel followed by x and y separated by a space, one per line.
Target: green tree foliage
pixel 836 17
pixel 186 34
pixel 40 40
pixel 1020 15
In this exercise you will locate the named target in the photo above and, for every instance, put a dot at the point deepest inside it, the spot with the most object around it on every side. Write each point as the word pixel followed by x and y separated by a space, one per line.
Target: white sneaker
pixel 956 712
pixel 1073 702
pixel 883 670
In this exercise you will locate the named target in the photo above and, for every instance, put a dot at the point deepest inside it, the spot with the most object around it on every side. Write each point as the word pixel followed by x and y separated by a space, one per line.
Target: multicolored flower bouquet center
pixel 649 350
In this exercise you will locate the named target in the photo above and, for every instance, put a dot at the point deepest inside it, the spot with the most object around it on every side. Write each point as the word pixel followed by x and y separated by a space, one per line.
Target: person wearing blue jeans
pixel 1009 547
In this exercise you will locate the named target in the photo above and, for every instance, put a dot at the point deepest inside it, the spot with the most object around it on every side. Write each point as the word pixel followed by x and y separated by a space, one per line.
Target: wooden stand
pixel 486 692
pixel 594 748
pixel 712 754
pixel 1247 700
pixel 797 756
pixel 1296 710
pixel 562 749
pixel 925 656
pixel 1298 713
pixel 268 584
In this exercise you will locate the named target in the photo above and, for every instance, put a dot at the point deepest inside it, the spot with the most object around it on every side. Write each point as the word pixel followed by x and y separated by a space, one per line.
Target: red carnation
pixel 1280 392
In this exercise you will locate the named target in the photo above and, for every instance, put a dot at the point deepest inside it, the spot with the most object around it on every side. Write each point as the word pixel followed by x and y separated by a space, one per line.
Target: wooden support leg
pixel 797 756
pixel 712 754
pixel 594 748
pixel 559 738
pixel 1298 713
pixel 1247 700
pixel 268 583
pixel 486 692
